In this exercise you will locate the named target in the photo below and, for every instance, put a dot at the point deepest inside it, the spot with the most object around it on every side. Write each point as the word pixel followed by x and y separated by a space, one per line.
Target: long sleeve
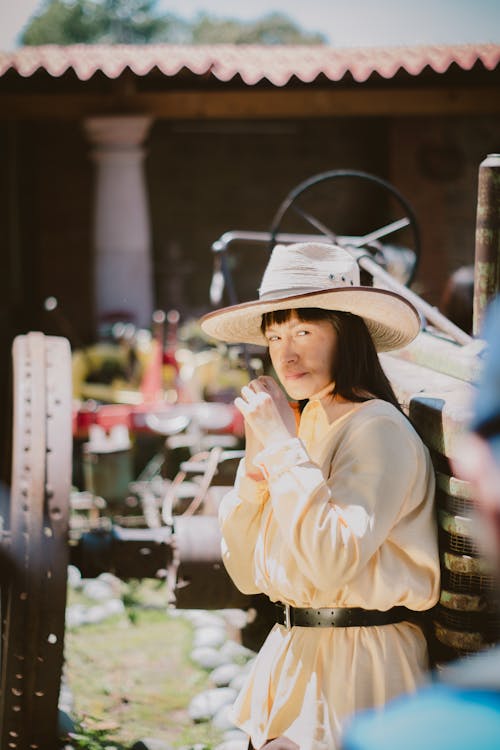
pixel 344 518
pixel 334 525
pixel 239 518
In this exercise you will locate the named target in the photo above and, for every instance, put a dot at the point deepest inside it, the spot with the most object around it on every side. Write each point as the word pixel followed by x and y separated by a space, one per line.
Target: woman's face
pixel 302 354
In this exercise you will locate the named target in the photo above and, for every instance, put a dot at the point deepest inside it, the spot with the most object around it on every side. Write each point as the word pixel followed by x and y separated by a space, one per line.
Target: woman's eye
pixel 272 338
pixel 302 332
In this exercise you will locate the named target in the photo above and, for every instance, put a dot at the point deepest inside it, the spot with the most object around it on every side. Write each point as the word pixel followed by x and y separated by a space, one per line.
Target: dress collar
pixel 314 422
pixel 323 393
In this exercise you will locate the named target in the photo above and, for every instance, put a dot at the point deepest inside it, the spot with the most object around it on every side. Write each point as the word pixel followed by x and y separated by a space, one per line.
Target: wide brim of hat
pixel 393 322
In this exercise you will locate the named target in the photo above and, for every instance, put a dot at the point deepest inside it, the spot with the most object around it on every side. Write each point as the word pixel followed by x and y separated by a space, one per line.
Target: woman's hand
pixel 266 410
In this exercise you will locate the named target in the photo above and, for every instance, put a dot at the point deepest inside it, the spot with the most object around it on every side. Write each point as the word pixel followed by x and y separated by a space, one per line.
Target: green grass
pixel 131 676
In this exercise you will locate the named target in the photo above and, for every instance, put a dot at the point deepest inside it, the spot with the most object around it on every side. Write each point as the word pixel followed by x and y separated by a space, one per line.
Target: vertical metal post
pixel 487 259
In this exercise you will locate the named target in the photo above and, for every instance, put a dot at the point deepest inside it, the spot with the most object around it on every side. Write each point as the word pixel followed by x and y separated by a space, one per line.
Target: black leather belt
pixel 339 617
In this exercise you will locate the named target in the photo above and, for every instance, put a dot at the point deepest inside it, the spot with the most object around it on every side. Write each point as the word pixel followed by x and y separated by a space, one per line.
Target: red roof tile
pixel 277 64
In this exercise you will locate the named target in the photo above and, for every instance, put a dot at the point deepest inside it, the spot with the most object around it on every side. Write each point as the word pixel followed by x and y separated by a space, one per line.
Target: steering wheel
pixel 295 206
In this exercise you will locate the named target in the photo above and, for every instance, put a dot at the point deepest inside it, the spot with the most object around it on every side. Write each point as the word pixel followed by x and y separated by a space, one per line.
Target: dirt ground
pixel 131 676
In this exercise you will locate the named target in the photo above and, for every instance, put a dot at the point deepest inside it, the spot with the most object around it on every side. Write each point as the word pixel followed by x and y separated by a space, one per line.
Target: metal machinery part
pixel 291 205
pixel 34 544
pixel 186 554
pixel 361 247
pixel 35 548
pixel 487 256
pixel 439 406
pixel 296 203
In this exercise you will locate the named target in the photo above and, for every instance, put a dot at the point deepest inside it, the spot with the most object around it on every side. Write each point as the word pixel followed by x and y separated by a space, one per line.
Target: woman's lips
pixel 294 375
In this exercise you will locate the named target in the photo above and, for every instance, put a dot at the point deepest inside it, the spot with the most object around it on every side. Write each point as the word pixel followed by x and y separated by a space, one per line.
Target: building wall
pixel 45 195
pixel 207 178
pixel 435 163
pixel 48 231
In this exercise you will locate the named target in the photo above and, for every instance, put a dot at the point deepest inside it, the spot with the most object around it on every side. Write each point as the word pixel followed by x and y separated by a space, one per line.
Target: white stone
pixel 235 734
pixel 97 590
pixel 66 702
pixel 176 613
pixel 207 658
pixel 113 582
pixel 74 577
pixel 238 618
pixel 248 666
pixel 200 618
pixel 75 615
pixel 236 652
pixel 222 676
pixel 222 720
pixel 206 704
pixel 233 745
pixel 114 607
pixel 95 614
pixel 238 680
pixel 213 637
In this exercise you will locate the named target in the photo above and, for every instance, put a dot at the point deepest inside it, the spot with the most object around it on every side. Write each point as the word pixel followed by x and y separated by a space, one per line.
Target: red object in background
pixel 223 418
pixel 135 417
pixel 106 415
pixel 169 357
pixel 151 385
pixel 152 382
pixel 237 426
pixel 109 415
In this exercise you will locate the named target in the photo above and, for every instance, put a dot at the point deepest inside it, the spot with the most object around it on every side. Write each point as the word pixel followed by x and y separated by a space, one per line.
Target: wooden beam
pixel 257 103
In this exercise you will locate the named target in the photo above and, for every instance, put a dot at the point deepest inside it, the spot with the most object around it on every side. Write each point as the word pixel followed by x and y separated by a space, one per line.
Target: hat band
pixel 298 291
pixel 283 293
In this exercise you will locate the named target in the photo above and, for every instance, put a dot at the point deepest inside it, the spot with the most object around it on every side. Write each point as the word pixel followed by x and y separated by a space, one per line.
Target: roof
pixel 253 63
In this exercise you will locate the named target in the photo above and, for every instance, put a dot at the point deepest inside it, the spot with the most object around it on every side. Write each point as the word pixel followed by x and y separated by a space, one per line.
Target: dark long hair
pixel 356 369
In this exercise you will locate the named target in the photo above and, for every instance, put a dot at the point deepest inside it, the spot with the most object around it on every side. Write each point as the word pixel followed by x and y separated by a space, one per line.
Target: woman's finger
pixel 267 381
pixel 247 392
pixel 255 385
pixel 241 405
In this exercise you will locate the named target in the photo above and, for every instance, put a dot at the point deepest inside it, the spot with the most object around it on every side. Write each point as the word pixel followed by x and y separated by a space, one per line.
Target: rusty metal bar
pixel 34 591
pixel 487 259
pixel 441 355
pixel 431 313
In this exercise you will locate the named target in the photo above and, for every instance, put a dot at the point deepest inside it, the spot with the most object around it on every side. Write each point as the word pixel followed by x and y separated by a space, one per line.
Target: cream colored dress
pixel 344 519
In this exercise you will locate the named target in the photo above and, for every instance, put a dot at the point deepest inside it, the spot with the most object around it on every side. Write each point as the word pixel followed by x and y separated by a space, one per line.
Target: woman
pixel 332 518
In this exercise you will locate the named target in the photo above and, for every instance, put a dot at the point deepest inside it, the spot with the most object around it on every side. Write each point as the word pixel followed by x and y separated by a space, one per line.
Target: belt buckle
pixel 288 621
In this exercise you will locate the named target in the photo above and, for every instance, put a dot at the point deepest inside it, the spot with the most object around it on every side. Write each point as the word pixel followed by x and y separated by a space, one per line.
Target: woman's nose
pixel 288 352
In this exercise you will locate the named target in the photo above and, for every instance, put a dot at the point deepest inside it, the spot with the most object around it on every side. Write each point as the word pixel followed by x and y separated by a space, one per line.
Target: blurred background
pixel 146 129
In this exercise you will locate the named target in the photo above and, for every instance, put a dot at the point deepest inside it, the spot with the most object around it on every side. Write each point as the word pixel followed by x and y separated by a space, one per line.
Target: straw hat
pixel 314 274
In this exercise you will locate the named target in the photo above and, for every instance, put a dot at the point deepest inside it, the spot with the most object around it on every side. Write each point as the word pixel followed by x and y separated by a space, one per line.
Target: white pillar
pixel 122 235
